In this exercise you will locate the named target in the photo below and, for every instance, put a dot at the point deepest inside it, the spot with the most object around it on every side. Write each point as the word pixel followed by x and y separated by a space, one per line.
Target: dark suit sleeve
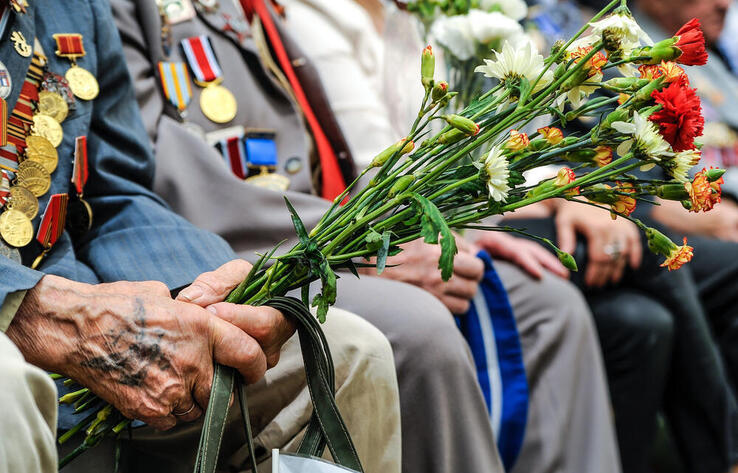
pixel 135 236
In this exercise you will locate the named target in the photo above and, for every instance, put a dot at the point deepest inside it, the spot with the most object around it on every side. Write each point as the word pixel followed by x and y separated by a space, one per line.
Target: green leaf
pixel 433 224
pixel 302 233
pixel 382 253
pixel 328 295
pixel 373 241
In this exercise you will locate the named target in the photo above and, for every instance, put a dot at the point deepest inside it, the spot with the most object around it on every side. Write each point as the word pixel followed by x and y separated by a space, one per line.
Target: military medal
pixel 20 44
pixel 47 127
pixel 176 11
pixel 234 155
pixel 175 81
pixel 6 82
pixel 58 84
pixel 16 228
pixel 79 220
pixel 217 103
pixel 23 200
pixel 82 82
pixel 261 153
pixel 52 225
pixel 52 105
pixel 40 150
pixel 33 177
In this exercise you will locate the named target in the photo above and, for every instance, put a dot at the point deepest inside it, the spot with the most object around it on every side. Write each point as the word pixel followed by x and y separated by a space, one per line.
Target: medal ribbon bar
pixel 4 187
pixel 234 154
pixel 52 223
pixel 81 170
pixel 175 81
pixel 201 58
pixel 69 45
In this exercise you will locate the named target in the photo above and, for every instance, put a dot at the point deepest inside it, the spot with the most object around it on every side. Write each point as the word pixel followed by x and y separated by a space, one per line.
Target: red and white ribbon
pixel 201 58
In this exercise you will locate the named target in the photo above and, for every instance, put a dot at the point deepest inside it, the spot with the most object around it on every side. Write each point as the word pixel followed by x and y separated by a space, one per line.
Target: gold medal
pixel 79 218
pixel 271 181
pixel 23 200
pixel 34 177
pixel 53 105
pixel 41 151
pixel 48 128
pixel 82 82
pixel 15 228
pixel 218 103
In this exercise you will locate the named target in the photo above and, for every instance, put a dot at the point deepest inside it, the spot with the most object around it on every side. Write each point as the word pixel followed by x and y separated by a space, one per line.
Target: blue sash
pixel 489 328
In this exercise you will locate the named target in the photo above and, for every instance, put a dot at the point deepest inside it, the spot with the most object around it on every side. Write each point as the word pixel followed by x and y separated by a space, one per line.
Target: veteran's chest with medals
pixel 30 136
pixel 251 154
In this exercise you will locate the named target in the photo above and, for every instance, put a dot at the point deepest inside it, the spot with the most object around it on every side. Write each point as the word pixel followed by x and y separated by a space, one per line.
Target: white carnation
pixel 625 28
pixel 511 63
pixel 454 33
pixel 488 27
pixel 498 175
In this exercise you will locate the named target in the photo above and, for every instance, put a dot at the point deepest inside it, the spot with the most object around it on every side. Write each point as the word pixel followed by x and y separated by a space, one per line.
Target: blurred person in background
pixel 638 323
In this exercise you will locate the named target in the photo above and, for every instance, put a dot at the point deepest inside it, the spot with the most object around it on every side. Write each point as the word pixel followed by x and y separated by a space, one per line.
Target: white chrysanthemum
pixel 498 174
pixel 625 28
pixel 515 9
pixel 511 63
pixel 488 27
pixel 454 33
pixel 682 163
pixel 646 138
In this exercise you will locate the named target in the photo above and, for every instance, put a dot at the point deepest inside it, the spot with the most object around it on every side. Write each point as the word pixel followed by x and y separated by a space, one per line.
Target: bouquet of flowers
pixel 428 184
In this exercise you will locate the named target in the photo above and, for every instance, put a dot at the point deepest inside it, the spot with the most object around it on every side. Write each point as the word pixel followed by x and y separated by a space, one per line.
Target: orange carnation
pixel 704 194
pixel 625 205
pixel 679 256
pixel 551 134
pixel 603 156
pixel 517 141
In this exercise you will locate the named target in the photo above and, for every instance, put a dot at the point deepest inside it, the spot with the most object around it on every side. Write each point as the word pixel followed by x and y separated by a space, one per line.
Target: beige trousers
pixel 279 405
pixel 27 414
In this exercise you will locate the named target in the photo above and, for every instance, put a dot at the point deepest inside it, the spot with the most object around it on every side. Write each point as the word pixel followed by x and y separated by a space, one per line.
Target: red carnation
pixel 692 44
pixel 680 120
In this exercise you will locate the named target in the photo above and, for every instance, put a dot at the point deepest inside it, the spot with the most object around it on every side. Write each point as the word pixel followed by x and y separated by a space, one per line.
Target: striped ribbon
pixel 4 187
pixel 80 172
pixel 3 122
pixel 201 58
pixel 52 223
pixel 234 154
pixel 21 119
pixel 175 81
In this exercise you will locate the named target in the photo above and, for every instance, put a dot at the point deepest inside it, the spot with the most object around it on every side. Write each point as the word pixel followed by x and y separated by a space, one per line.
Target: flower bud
pixel 403 147
pixel 618 115
pixel 658 242
pixel 401 185
pixel 427 67
pixel 714 174
pixel 517 141
pixel 581 155
pixel 440 90
pixel 452 136
pixel 644 93
pixel 567 260
pixel 462 124
pixel 619 84
pixel 672 192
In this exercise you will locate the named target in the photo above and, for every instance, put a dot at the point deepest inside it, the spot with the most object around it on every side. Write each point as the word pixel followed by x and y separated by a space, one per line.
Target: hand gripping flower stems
pixel 429 189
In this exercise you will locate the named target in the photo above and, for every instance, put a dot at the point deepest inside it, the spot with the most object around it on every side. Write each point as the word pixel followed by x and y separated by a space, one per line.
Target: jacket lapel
pixel 17 65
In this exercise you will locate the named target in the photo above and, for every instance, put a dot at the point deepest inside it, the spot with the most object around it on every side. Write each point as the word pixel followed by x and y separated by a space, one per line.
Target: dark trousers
pixel 660 351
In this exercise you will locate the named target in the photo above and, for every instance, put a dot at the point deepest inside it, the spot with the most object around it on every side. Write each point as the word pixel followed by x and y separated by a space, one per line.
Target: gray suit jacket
pixel 190 174
pixel 134 236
